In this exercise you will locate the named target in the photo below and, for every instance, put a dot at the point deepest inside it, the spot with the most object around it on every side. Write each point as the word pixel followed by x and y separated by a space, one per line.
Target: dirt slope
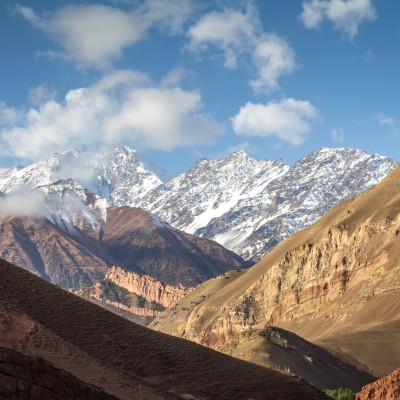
pixel 126 360
pixel 336 283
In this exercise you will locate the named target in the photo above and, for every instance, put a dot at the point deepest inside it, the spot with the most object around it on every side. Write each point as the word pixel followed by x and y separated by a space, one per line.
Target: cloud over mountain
pixel 121 107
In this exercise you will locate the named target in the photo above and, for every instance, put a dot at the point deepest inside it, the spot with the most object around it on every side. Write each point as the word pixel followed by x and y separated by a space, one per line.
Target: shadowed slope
pixel 127 360
pixel 31 378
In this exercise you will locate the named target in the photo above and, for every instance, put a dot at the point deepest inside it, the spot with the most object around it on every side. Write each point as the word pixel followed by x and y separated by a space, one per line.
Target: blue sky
pixel 184 79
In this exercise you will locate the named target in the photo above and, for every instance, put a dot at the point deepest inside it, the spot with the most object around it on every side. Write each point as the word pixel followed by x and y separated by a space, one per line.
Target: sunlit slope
pixel 338 277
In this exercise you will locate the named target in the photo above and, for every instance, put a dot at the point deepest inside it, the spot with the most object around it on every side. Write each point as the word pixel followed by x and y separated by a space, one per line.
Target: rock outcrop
pixel 147 287
pixel 383 389
pixel 138 297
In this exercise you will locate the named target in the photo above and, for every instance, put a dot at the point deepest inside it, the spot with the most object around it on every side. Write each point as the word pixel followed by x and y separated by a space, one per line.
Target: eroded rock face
pixel 31 378
pixel 147 287
pixel 385 388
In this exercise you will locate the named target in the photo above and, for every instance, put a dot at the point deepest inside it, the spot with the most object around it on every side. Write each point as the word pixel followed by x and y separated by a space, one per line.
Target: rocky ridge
pixel 250 205
pixel 383 389
pixel 137 295
pixel 147 287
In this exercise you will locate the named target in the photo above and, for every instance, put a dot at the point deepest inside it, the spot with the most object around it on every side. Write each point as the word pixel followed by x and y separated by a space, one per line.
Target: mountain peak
pixel 238 155
pixel 72 152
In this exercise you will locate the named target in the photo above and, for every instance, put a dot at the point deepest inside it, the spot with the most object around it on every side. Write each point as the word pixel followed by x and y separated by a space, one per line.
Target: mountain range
pixel 246 205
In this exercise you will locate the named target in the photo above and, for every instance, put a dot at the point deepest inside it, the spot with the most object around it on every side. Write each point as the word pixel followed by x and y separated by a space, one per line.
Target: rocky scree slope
pixel 336 284
pixel 126 360
pixel 384 389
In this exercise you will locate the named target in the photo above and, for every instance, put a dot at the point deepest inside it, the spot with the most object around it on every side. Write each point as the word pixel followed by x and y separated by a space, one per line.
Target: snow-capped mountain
pixel 246 205
pixel 119 175
pixel 74 190
pixel 250 205
pixel 123 176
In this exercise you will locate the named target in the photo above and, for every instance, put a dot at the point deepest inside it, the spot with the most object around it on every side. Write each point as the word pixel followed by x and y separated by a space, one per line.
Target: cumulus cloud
pixel 239 35
pixel 338 135
pixel 96 35
pixel 22 203
pixel 162 118
pixel 273 58
pixel 122 107
pixel 345 15
pixel 288 120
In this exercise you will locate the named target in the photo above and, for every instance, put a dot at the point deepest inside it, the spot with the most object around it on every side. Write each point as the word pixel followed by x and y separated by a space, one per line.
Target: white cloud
pixel 288 120
pixel 230 30
pixel 40 94
pixel 273 57
pixel 338 135
pixel 174 77
pixel 240 35
pixel 96 35
pixel 25 202
pixel 120 108
pixel 8 115
pixel 346 15
pixel 386 120
pixel 162 119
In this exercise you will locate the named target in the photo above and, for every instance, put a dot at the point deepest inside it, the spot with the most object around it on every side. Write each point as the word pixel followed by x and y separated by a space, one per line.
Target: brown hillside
pixel 126 360
pixel 336 283
pixel 130 238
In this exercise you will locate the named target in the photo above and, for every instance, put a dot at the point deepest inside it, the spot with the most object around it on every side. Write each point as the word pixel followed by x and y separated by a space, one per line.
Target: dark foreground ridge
pixel 31 378
pixel 125 359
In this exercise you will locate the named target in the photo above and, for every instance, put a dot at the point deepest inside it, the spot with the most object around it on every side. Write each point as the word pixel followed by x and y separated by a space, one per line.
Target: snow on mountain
pixel 210 189
pixel 250 205
pixel 78 188
pixel 246 205
pixel 69 206
pixel 123 176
